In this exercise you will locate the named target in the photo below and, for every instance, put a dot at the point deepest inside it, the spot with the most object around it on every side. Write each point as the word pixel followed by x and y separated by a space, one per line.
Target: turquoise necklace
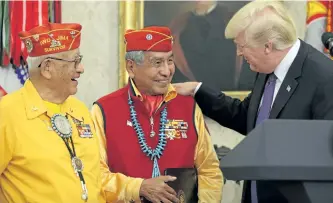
pixel 153 154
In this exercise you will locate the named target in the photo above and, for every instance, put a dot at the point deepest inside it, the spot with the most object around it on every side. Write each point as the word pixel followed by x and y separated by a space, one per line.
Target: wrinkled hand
pixel 186 88
pixel 156 190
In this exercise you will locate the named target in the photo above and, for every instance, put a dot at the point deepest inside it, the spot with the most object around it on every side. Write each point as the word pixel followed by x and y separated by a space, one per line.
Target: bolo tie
pixel 61 125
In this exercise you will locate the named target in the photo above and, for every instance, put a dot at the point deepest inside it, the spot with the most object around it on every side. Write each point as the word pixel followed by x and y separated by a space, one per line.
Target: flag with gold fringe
pixel 17 16
pixel 319 20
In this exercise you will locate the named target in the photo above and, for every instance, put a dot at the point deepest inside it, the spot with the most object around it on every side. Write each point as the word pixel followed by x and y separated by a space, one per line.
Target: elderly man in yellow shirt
pixel 49 152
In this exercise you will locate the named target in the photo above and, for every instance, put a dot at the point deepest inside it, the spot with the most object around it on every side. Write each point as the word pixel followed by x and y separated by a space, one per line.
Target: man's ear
pixel 268 47
pixel 130 65
pixel 46 67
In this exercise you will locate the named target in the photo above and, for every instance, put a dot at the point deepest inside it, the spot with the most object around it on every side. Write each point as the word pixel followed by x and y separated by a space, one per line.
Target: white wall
pixel 8 79
pixel 99 46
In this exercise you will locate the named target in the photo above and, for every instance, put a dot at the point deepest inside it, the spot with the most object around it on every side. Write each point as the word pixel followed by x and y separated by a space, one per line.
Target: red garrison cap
pixel 153 38
pixel 51 38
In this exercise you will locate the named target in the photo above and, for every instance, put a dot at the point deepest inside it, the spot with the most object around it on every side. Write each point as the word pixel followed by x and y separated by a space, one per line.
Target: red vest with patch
pixel 123 150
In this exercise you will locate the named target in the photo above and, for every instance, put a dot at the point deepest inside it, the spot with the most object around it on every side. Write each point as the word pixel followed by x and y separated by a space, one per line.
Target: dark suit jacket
pixel 310 79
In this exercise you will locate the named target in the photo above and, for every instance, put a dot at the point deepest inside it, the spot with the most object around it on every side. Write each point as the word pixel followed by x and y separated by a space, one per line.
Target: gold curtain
pixel 131 16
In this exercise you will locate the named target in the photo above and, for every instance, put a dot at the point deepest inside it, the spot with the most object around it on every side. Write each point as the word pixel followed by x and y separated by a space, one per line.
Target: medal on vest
pixel 176 129
pixel 61 125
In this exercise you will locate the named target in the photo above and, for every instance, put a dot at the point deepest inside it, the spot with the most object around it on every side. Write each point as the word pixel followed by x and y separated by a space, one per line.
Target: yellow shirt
pixel 35 165
pixel 52 108
pixel 210 177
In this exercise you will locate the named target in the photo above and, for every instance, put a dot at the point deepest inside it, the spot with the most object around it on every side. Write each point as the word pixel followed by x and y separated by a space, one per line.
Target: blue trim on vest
pixel 193 120
pixel 131 88
pixel 103 115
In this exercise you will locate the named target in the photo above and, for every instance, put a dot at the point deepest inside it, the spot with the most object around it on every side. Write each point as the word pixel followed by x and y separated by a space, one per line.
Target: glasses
pixel 77 60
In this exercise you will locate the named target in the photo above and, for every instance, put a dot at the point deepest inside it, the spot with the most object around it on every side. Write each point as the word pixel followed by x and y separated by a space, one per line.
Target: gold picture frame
pixel 131 16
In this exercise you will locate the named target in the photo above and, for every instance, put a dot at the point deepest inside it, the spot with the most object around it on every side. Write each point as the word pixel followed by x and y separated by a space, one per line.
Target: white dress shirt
pixel 283 68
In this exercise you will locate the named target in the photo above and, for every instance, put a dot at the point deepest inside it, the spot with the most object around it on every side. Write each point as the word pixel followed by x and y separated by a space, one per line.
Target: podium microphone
pixel 327 40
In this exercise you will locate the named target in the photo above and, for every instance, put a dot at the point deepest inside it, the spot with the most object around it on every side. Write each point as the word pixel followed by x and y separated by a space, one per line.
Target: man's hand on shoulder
pixel 186 88
pixel 156 190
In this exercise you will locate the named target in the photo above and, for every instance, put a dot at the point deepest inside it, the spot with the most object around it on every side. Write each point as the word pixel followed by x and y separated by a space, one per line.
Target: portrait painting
pixel 201 51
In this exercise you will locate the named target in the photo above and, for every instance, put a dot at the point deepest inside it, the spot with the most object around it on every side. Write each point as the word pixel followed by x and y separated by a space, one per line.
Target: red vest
pixel 123 150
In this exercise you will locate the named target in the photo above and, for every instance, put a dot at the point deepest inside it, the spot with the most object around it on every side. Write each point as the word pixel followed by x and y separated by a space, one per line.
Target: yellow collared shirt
pixel 52 108
pixel 35 165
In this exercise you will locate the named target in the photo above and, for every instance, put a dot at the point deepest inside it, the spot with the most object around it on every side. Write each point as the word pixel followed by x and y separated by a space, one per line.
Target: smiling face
pixel 154 75
pixel 62 71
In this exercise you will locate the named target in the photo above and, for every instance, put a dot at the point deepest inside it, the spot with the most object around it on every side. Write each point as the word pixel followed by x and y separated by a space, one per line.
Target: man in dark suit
pixel 294 81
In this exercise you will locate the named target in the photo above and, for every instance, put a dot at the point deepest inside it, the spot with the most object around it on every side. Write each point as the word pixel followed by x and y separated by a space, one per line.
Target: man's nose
pixel 80 68
pixel 165 70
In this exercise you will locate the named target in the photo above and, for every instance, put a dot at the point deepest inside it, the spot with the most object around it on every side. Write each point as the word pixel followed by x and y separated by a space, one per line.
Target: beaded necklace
pixel 153 154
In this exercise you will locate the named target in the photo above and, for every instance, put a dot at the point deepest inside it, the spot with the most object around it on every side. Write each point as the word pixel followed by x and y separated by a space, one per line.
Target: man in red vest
pixel 145 127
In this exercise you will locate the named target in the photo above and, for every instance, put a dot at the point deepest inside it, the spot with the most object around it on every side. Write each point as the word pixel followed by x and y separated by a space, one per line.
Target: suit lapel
pixel 286 90
pixel 255 100
pixel 289 83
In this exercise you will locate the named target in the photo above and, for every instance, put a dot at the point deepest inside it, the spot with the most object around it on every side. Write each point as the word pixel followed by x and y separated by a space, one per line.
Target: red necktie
pixel 152 102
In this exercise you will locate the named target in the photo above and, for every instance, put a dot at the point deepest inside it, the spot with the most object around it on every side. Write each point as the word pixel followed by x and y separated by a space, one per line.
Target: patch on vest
pixel 176 129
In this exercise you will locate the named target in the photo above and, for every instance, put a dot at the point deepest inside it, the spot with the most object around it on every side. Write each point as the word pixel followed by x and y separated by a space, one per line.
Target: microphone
pixel 327 40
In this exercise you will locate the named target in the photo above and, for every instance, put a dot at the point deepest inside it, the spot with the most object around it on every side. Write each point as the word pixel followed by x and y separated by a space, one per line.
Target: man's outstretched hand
pixel 186 88
pixel 156 190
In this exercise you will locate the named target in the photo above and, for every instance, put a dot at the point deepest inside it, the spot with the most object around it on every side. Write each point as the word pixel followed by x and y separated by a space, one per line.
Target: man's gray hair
pixel 137 56
pixel 34 62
